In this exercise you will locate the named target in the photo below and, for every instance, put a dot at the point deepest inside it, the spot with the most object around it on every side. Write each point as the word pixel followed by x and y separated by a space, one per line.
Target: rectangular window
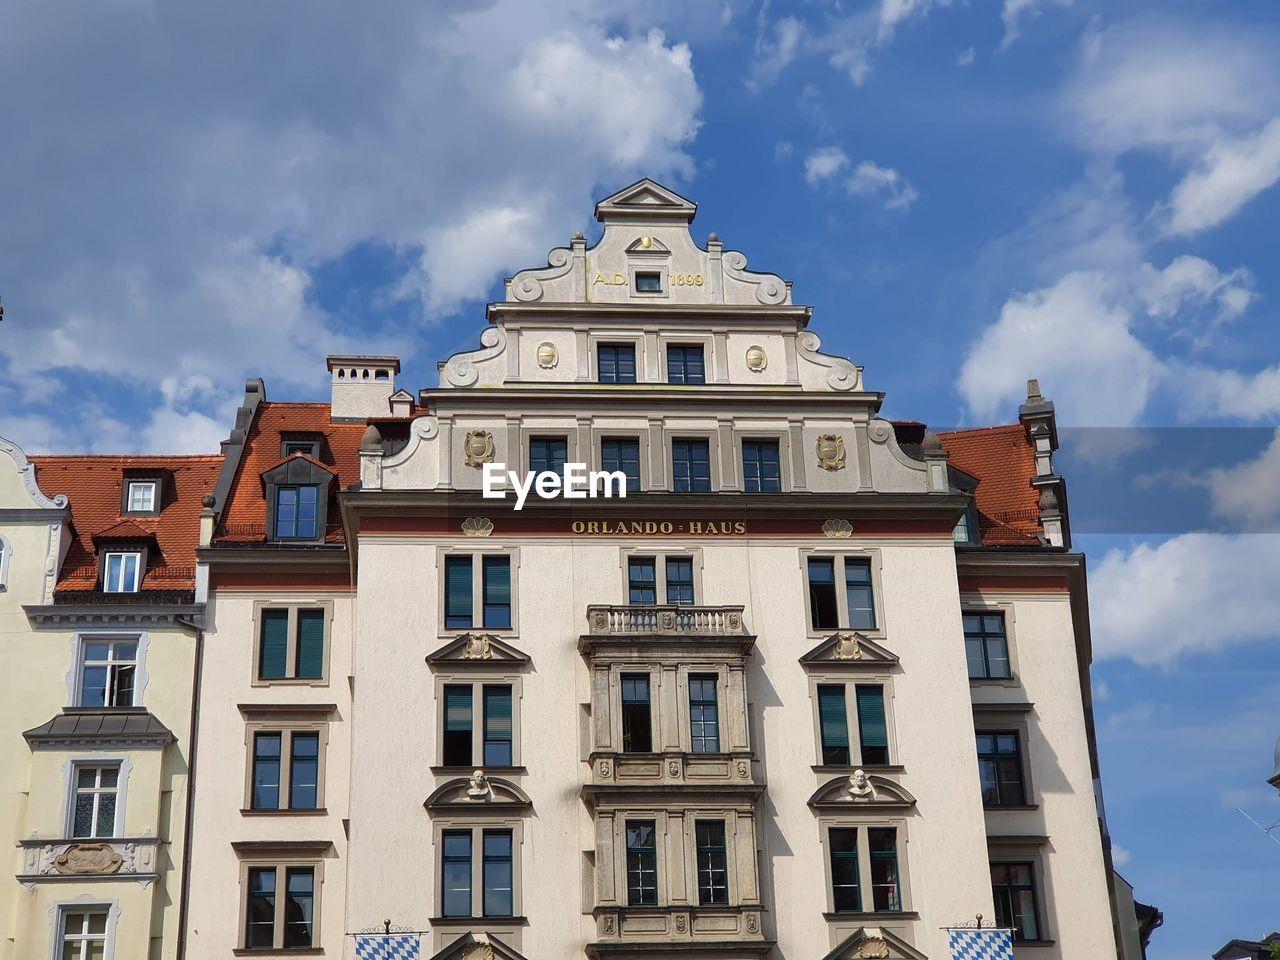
pixel 690 466
pixel 1000 767
pixel 457 726
pixel 760 469
pixel 616 362
pixel 642 864
pixel 497 725
pixel 497 592
pixel 685 365
pixel 704 718
pixel 299 908
pixel 456 873
pixel 834 725
pixel 828 608
pixel 885 893
pixel 291 643
pixel 873 731
pixel 713 873
pixel 84 935
pixel 1013 889
pixel 494 575
pixel 845 894
pixel 308 661
pixel 637 733
pixel 275 923
pixel 121 572
pixel 679 580
pixel 310 448
pixel 273 647
pixel 622 454
pixel 985 645
pixel 260 922
pixel 304 771
pixel 285 758
pixel 824 612
pixel 648 282
pixel 457 589
pixel 498 893
pixel 296 511
pixel 266 771
pixel 107 672
pixel 548 454
pixel 94 811
pixel 857 586
pixel 142 496
pixel 642 585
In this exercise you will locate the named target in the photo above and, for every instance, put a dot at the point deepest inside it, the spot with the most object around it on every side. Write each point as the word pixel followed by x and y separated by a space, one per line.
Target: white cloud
pixel 1138 714
pixel 1015 10
pixel 1194 281
pixel 966 57
pixel 1232 173
pixel 1247 494
pixel 782 150
pixel 1120 856
pixel 871 179
pixel 894 12
pixel 823 164
pixel 1207 392
pixel 777 45
pixel 1194 593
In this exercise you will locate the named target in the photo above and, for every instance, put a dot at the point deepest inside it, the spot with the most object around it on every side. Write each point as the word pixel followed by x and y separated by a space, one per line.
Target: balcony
pixel 665 620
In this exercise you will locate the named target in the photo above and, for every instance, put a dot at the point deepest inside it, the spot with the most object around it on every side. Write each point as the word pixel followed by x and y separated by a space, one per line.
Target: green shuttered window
pixel 273 655
pixel 834 724
pixel 872 728
pixel 309 658
pixel 291 643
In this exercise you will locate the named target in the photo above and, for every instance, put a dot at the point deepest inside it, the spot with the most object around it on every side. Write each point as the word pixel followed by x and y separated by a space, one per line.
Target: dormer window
pixel 142 496
pixel 307 446
pixel 142 493
pixel 297 495
pixel 297 512
pixel 121 572
pixel 648 281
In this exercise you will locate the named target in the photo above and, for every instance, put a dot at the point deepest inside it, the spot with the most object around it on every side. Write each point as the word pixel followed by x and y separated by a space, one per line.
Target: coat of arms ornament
pixel 548 356
pixel 847 647
pixel 478 448
pixel 831 451
pixel 477 647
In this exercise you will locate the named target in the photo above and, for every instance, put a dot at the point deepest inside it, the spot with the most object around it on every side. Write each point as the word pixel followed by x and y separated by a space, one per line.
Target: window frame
pixel 541 436
pixel 873 559
pixel 1013 718
pixel 477 826
pixel 697 860
pixel 1031 857
pixel 971 608
pixel 477 555
pixel 281 865
pixel 1019 761
pixel 641 443
pixel 850 683
pixel 291 651
pixel 866 894
pixel 659 558
pixel 717 684
pixel 477 680
pixel 275 534
pixel 63 908
pixel 130 484
pixel 69 788
pixel 780 441
pixel 660 270
pixel 286 725
pixel 117 816
pixel 75 683
pixel 614 343
pixel 685 346
pixel 140 569
pixel 671 438
pixel 654 729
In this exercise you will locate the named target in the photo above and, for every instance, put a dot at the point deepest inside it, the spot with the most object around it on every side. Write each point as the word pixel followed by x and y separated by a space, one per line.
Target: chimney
pixel 362 386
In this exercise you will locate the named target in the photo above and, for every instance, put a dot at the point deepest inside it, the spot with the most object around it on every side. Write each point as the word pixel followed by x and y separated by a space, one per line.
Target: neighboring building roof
pixel 1248 949
pixel 244 516
pixel 1002 461
pixel 94 488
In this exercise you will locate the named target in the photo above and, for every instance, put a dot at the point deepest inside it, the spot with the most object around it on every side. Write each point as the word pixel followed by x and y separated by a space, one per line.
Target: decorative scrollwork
pixel 527 285
pixel 478 448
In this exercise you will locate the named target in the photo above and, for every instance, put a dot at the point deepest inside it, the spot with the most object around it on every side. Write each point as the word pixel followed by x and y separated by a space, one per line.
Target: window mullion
pixel 291 644
pixel 842 593
pixel 866 889
pixel 477 871
pixel 477 726
pixel 277 934
pixel 853 724
pixel 477 595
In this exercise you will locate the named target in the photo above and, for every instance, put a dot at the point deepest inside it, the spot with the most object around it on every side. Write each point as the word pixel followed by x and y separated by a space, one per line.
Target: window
pixel 1000 767
pixel 309 448
pixel 286 770
pixel 497 725
pixel 690 466
pixel 108 669
pixel 456 875
pixel 122 572
pixel 830 608
pixel 616 362
pixel 94 810
pixel 621 454
pixel 833 725
pixel 548 454
pixel 142 496
pixel 496 743
pixel 496 878
pixel 642 864
pixel 967 529
pixel 648 282
pixel 873 732
pixel 1014 891
pixel 637 733
pixel 642 586
pixel 494 600
pixel 685 365
pixel 679 580
pixel 296 512
pixel 713 873
pixel 498 900
pixel 273 922
pixel 291 643
pixel 885 893
pixel 986 647
pixel 760 471
pixel 704 720
pixel 845 894
pixel 457 726
pixel 84 934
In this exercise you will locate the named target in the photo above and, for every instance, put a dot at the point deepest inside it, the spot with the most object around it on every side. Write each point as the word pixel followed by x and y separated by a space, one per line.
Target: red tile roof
pixel 244 516
pixel 94 487
pixel 1003 463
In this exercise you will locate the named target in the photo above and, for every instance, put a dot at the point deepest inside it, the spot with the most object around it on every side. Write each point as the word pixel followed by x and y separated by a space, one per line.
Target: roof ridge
pixel 987 429
pixel 126 456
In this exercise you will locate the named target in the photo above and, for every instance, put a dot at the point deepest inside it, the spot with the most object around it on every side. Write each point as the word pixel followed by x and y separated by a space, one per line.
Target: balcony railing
pixel 666 619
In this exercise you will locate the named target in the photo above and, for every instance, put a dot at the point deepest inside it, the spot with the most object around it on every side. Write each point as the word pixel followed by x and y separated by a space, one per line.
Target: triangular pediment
pixel 861 791
pixel 849 649
pixel 874 943
pixel 477 650
pixel 648 199
pixel 469 946
pixel 648 246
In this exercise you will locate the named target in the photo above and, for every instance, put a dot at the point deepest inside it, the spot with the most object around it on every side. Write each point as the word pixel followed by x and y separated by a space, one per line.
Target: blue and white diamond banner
pixel 380 946
pixel 981 944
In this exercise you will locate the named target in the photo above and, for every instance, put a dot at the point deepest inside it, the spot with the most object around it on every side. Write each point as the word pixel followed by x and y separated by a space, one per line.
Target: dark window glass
pixel 308 447
pixel 304 771
pixel 498 900
pixel 309 653
pixel 299 905
pixel 760 472
pixel 685 365
pixel 457 725
pixel 1013 889
pixel 873 731
pixel 834 724
pixel 260 919
pixel 704 719
pixel 637 735
pixel 622 454
pixel 648 282
pixel 456 873
pixel 548 453
pixel 497 593
pixel 457 590
pixel 107 671
pixel 690 466
pixel 642 864
pixel 616 362
pixel 845 896
pixel 1000 766
pixel 266 771
pixel 497 725
pixel 679 580
pixel 642 585
pixel 857 586
pixel 296 512
pixel 985 645
pixel 883 843
pixel 273 645
pixel 824 613
pixel 713 874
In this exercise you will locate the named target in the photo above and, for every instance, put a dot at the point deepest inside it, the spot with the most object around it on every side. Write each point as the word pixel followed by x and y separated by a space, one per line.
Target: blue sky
pixel 968 193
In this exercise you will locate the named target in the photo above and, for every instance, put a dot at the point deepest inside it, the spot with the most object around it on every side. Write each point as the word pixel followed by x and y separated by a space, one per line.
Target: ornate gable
pixel 849 650
pixel 646 199
pixel 861 791
pixel 477 650
pixel 874 943
pixel 478 794
pixel 468 947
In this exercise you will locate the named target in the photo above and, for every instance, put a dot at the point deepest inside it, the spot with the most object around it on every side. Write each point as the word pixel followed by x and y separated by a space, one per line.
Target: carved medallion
pixel 477 527
pixel 744 769
pixel 837 529
pixel 674 768
pixel 477 647
pixel 757 359
pixel 478 448
pixel 604 769
pixel 847 647
pixel 872 948
pixel 667 620
pixel 87 858
pixel 735 621
pixel 830 451
pixel 753 923
pixel 681 923
pixel 608 924
pixel 599 621
pixel 548 355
